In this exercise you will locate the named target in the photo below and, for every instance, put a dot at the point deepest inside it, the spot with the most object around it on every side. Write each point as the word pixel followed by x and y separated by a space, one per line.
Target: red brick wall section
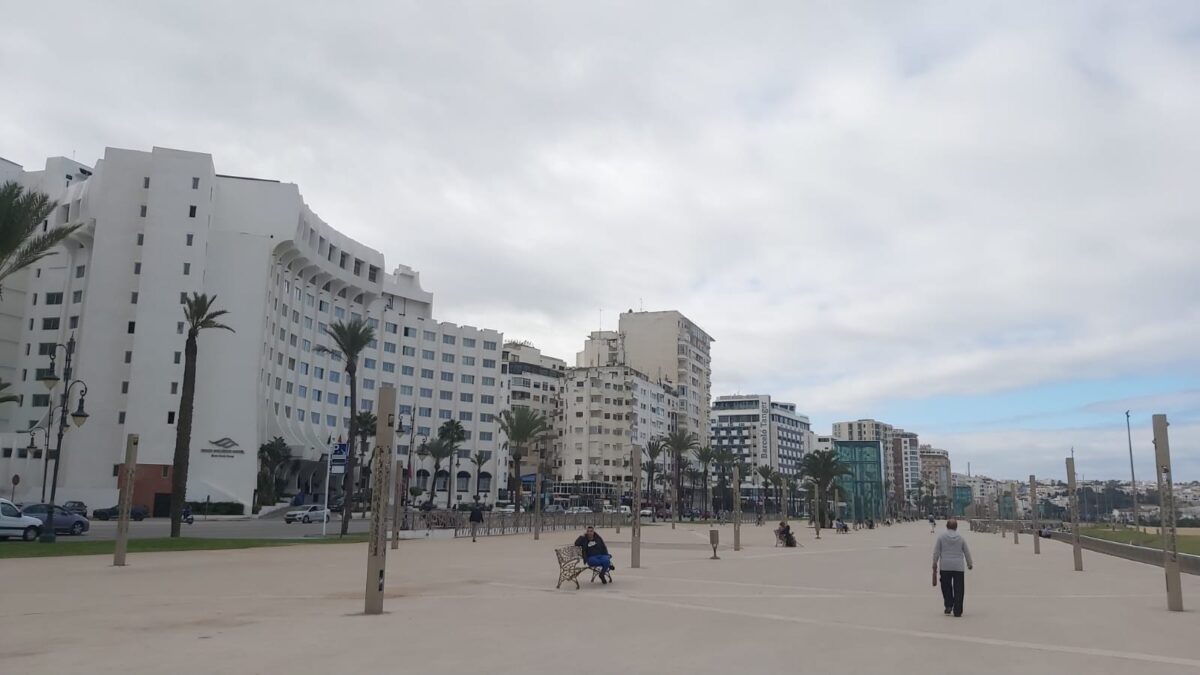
pixel 148 480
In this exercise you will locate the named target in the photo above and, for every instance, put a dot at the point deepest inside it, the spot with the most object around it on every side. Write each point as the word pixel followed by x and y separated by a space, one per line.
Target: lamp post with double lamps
pixel 50 379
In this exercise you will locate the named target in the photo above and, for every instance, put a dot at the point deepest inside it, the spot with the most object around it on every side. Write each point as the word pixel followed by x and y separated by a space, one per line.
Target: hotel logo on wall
pixel 224 447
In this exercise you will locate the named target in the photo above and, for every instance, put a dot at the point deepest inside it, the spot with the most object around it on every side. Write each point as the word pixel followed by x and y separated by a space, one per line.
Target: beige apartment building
pixel 606 412
pixel 665 347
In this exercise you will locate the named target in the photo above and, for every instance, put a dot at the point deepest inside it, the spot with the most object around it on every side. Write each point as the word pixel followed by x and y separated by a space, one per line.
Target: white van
pixel 14 524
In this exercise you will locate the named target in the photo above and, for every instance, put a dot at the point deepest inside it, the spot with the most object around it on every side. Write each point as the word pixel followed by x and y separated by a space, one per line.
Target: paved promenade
pixel 856 603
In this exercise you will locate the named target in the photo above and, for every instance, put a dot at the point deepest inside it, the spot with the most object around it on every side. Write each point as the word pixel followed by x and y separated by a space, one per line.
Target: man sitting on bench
pixel 783 535
pixel 595 553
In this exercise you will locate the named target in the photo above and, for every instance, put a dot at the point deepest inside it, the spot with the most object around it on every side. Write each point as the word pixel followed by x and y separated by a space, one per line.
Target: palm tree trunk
pixel 183 434
pixel 517 481
pixel 351 463
pixel 361 482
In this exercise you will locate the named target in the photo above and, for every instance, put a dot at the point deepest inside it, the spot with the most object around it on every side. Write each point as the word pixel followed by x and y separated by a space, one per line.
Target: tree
pixel 694 476
pixel 822 467
pixel 478 459
pixel 271 455
pixel 793 484
pixel 705 457
pixel 201 314
pixel 766 474
pixel 522 426
pixel 440 449
pixel 350 338
pixel 654 449
pixel 777 479
pixel 453 434
pixel 7 398
pixel 723 459
pixel 21 214
pixel 364 425
pixel 681 442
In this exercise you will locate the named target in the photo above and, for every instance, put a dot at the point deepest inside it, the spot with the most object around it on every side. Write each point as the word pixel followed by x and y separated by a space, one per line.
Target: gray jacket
pixel 951 552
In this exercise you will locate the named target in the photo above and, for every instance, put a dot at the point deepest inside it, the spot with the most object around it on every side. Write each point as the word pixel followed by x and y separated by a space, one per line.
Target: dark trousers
pixel 952 590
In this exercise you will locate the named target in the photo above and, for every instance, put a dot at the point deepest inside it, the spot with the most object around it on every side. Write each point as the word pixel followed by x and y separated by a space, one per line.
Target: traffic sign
pixel 338 454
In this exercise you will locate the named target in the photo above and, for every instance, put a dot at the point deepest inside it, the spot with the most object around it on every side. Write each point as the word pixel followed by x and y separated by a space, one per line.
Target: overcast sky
pixel 980 223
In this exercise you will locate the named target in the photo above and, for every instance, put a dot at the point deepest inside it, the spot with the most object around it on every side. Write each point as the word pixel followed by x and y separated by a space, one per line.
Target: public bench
pixel 571 564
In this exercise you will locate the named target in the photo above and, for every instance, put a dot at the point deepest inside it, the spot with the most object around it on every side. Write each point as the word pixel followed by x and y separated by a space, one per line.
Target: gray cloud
pixel 861 202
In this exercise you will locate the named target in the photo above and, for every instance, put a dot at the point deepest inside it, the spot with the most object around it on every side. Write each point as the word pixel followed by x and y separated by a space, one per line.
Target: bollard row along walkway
pixel 851 603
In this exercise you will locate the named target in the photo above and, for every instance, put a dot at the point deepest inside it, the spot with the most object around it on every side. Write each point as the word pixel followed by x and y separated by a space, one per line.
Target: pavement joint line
pixel 818 589
pixel 994 642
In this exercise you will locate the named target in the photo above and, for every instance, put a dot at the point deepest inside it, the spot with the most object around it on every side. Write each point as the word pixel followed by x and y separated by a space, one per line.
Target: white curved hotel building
pixel 162 224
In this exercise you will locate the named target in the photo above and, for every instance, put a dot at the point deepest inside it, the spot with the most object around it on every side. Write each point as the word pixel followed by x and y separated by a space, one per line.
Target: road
pixel 265 528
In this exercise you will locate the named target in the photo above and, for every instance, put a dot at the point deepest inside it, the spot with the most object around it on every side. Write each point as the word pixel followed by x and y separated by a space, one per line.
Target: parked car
pixel 509 508
pixel 626 511
pixel 64 520
pixel 307 514
pixel 14 523
pixel 578 510
pixel 114 512
pixel 646 512
pixel 76 507
pixel 555 508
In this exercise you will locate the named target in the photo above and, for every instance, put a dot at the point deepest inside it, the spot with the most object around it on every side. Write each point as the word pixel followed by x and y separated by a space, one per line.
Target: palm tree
pixel 21 213
pixel 350 338
pixel 364 425
pixel 453 433
pixel 777 479
pixel 7 398
pixel 705 457
pixel 522 426
pixel 694 476
pixel 765 473
pixel 201 314
pixel 440 449
pixel 681 442
pixel 723 459
pixel 822 467
pixel 654 449
pixel 478 459
pixel 743 468
pixel 271 455
pixel 792 484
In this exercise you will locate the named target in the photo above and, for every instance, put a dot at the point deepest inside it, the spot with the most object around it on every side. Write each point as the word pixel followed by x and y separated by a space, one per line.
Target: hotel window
pixel 426 392
pixel 79 271
pixel 468 342
pixel 389 367
pixel 195 182
pixel 407 370
pixel 448 339
pixel 446 395
pixel 427 354
pixel 430 335
pixel 187 268
pixel 50 323
pixel 192 211
pixel 142 211
pixel 369 364
pixel 146 182
pixel 77 296
pixel 189 239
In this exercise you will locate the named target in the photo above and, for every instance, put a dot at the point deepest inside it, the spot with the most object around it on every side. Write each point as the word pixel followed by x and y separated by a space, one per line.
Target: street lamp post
pixel 45 452
pixel 1132 478
pixel 79 417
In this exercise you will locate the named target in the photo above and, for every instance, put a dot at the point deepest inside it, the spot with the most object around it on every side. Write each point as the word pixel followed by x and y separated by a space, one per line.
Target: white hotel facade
pixel 162 224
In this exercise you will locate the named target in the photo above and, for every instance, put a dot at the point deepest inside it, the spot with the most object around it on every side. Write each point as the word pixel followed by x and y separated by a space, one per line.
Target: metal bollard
pixel 714 538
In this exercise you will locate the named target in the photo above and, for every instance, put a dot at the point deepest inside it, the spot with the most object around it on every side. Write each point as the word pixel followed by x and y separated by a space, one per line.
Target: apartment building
pixel 160 225
pixel 607 412
pixel 761 431
pixel 534 380
pixel 935 470
pixel 667 347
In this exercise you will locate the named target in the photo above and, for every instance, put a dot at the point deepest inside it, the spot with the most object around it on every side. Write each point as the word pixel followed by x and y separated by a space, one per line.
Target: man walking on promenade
pixel 954 557
pixel 476 517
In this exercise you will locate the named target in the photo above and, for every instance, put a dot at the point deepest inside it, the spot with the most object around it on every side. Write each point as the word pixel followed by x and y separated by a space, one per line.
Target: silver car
pixel 64 520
